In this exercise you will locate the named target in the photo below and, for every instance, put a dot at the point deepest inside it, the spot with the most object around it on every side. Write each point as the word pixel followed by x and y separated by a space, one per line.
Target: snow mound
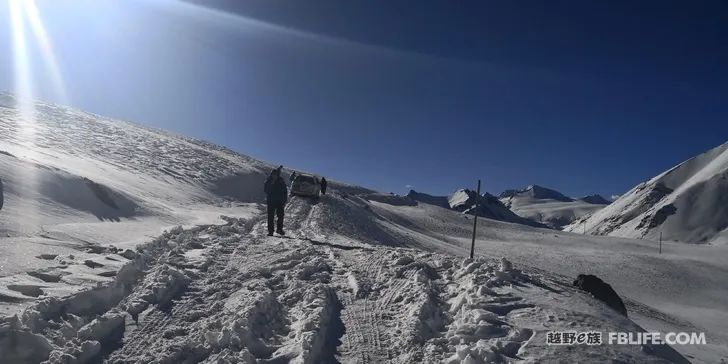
pixel 49 189
pixel 688 203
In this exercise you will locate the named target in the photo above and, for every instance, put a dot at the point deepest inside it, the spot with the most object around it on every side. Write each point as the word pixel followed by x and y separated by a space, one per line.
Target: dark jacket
pixel 1 194
pixel 276 191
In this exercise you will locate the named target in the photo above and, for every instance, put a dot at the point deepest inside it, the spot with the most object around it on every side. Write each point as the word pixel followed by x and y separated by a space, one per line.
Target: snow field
pixel 230 294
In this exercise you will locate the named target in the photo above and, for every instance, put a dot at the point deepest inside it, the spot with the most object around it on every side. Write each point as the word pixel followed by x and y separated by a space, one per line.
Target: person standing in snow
pixel 1 194
pixel 276 197
pixel 323 185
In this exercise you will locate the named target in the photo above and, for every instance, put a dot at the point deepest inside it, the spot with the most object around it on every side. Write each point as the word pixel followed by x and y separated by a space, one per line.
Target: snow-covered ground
pixel 230 294
pixel 87 275
pixel 688 203
pixel 681 289
pixel 550 207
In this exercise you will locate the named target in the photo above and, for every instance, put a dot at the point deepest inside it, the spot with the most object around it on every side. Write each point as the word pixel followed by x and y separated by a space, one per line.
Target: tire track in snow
pixel 363 336
pixel 156 321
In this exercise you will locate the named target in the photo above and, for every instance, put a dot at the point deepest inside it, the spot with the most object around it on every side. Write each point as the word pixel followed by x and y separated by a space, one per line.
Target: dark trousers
pixel 275 209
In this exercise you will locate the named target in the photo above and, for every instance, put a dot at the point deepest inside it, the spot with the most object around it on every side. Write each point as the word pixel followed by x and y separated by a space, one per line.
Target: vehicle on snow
pixel 306 185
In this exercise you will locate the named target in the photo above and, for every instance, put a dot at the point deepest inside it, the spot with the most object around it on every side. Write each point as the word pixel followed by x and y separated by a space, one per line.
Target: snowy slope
pixel 548 206
pixel 688 203
pixel 361 277
pixel 76 183
pixel 66 161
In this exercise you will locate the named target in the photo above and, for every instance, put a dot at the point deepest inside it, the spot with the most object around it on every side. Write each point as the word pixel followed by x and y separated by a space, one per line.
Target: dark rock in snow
pixel 601 291
pixel 653 221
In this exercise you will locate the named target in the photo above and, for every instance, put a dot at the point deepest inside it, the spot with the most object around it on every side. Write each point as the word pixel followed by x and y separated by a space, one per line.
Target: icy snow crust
pixel 230 294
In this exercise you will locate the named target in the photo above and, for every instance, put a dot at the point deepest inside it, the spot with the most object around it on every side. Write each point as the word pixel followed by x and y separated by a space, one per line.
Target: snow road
pixel 231 294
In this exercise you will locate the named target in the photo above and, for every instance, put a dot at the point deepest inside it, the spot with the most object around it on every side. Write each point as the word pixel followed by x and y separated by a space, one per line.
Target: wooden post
pixel 660 242
pixel 475 222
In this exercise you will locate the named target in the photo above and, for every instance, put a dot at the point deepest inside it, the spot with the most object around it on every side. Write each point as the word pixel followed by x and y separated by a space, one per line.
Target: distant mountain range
pixel 463 200
pixel 548 206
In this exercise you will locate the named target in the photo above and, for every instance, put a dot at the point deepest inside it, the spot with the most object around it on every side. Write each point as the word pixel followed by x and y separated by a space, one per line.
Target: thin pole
pixel 475 222
pixel 660 242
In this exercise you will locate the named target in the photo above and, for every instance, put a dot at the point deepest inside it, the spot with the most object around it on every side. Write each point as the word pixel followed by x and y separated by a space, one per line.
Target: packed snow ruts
pixel 229 294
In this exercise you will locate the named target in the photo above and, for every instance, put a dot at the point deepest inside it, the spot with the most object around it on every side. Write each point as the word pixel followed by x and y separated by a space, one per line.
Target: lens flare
pixel 27 25
pixel 49 57
pixel 26 132
pixel 23 82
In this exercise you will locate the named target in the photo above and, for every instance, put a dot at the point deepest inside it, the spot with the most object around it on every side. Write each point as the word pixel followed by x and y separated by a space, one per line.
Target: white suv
pixel 306 185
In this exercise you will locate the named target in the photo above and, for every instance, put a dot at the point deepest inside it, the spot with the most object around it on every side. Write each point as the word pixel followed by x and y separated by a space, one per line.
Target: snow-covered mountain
pixel 688 203
pixel 489 206
pixel 463 200
pixel 441 201
pixel 536 192
pixel 92 269
pixel 548 206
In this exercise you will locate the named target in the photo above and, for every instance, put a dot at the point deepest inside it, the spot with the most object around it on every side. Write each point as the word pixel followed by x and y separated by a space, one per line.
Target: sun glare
pixel 49 57
pixel 21 67
pixel 27 25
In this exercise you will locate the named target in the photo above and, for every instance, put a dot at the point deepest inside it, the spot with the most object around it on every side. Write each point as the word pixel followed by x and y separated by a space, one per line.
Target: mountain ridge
pixel 687 202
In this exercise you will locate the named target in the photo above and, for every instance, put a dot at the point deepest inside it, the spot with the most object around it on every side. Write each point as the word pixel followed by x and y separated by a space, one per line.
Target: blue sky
pixel 583 97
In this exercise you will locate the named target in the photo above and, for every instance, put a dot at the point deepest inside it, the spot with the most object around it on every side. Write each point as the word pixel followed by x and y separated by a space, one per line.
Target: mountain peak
pixel 536 192
pixel 595 199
